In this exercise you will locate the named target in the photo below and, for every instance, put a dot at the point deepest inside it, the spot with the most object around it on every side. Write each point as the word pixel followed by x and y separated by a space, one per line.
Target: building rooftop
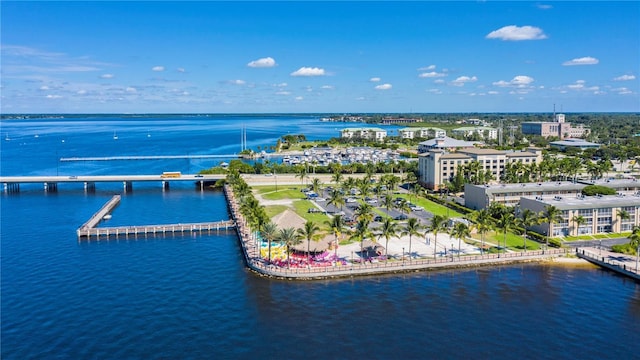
pixel 363 129
pixel 420 128
pixel 478 151
pixel 473 128
pixel 530 187
pixel 574 142
pixel 587 202
pixel 447 142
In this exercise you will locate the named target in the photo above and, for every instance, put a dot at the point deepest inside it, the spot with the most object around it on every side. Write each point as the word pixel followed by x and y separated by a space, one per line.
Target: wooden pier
pixel 88 230
pixel 163 229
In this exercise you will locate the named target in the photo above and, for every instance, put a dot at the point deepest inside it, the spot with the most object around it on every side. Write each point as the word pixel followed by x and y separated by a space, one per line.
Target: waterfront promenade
pixel 257 264
pixel 620 263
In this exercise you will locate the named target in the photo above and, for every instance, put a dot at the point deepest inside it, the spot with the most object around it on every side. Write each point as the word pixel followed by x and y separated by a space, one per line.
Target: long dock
pixel 105 210
pixel 162 229
pixel 88 230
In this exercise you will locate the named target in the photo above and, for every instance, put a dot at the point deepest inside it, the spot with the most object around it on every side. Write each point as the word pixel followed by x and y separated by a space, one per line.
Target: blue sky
pixel 309 57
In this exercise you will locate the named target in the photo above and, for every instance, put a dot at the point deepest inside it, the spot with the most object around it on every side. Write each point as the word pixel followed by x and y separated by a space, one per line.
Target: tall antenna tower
pixel 500 132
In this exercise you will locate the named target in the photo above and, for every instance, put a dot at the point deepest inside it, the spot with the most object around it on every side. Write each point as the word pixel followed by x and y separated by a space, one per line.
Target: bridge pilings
pixel 165 185
pixel 50 187
pixel 11 188
pixel 127 186
pixel 89 186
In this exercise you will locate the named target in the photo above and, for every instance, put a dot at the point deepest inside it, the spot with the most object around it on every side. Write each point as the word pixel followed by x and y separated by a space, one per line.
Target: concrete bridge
pixel 11 184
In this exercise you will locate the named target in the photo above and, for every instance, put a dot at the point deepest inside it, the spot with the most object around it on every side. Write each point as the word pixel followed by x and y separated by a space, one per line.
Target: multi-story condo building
pixel 364 133
pixel 437 167
pixel 478 197
pixel 389 121
pixel 446 143
pixel 558 128
pixel 600 214
pixel 421 132
pixel 484 132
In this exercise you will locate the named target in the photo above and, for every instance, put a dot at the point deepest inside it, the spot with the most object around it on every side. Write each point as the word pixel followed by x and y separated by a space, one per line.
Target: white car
pixel 320 199
pixel 351 200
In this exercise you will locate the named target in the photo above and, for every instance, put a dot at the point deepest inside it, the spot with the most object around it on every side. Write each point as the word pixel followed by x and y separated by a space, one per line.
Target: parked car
pixel 378 218
pixel 401 217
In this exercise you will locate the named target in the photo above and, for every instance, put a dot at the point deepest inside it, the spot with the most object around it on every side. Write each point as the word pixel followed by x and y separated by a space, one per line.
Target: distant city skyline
pixel 319 57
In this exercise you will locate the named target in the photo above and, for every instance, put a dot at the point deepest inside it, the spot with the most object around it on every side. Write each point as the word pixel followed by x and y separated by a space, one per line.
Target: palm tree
pixel 269 232
pixel 290 238
pixel 309 232
pixel 578 220
pixel 460 231
pixel 634 240
pixel 528 218
pixel 484 224
pixel 622 216
pixel 388 230
pixel 551 215
pixel 403 206
pixel 506 223
pixel 412 227
pixel 337 225
pixel 438 223
pixel 337 177
pixel 361 233
pixel 316 184
pixel 302 173
pixel 364 186
pixel 337 199
pixel 365 211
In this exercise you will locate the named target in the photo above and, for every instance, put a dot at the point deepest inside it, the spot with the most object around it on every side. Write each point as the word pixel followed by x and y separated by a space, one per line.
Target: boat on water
pixel 106 217
pixel 115 136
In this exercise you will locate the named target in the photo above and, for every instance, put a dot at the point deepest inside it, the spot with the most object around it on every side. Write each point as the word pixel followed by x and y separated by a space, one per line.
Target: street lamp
pixel 403 256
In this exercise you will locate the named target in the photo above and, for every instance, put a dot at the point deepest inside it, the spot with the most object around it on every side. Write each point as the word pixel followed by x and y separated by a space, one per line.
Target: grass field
pixel 273 210
pixel 302 206
pixel 430 206
pixel 514 242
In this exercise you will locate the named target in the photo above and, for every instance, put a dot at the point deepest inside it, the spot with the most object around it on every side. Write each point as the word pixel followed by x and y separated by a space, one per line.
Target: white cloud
pixel 158 68
pixel 308 71
pixel 427 68
pixel 237 82
pixel 262 63
pixel 383 87
pixel 299 98
pixel 435 91
pixel 518 81
pixel 625 78
pixel 327 87
pixel 181 70
pixel 438 81
pixel 54 97
pixel 461 80
pixel 432 74
pixel 281 85
pixel 375 79
pixel 493 92
pixel 81 92
pixel 587 60
pixel 361 98
pixel 107 76
pixel 515 33
pixel 44 87
pixel 283 93
pixel 131 90
pixel 544 6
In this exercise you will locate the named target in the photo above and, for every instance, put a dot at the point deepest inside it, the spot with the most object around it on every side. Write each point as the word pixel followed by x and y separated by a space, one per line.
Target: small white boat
pixel 107 217
pixel 115 136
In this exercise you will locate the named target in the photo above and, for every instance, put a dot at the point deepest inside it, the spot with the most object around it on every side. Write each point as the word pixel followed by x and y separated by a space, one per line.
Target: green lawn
pixel 514 242
pixel 302 206
pixel 431 206
pixel 597 237
pixel 273 210
pixel 283 193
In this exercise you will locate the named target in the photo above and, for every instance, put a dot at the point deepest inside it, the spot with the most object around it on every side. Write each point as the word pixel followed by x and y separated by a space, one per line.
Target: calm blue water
pixel 191 297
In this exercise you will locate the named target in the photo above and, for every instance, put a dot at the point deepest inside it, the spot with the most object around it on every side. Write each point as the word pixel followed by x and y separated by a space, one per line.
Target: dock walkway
pixel 88 230
pixel 620 263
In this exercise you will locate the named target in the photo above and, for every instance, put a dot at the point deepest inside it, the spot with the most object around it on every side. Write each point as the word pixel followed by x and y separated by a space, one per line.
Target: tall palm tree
pixel 337 177
pixel 361 233
pixel 290 238
pixel 316 184
pixel 412 227
pixel 403 206
pixel 337 225
pixel 302 173
pixel 336 199
pixel 506 223
pixel 622 216
pixel 388 229
pixel 484 224
pixel 438 224
pixel 527 219
pixel 365 211
pixel 634 240
pixel 364 186
pixel 460 231
pixel 269 232
pixel 310 233
pixel 579 220
pixel 550 215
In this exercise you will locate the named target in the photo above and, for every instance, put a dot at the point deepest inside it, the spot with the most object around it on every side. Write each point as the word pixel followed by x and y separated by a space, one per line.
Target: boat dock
pixel 88 230
pixel 620 263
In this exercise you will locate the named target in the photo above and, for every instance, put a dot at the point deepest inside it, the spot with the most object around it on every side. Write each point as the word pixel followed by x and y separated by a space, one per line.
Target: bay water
pixel 191 297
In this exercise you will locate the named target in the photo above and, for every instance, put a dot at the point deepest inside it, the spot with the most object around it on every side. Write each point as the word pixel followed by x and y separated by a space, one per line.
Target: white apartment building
pixel 364 133
pixel 437 167
pixel 601 214
pixel 421 132
pixel 484 132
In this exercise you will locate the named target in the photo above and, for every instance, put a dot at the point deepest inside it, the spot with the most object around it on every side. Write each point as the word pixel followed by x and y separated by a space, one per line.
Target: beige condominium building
pixel 599 214
pixel 478 197
pixel 421 132
pixel 436 167
pixel 558 128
